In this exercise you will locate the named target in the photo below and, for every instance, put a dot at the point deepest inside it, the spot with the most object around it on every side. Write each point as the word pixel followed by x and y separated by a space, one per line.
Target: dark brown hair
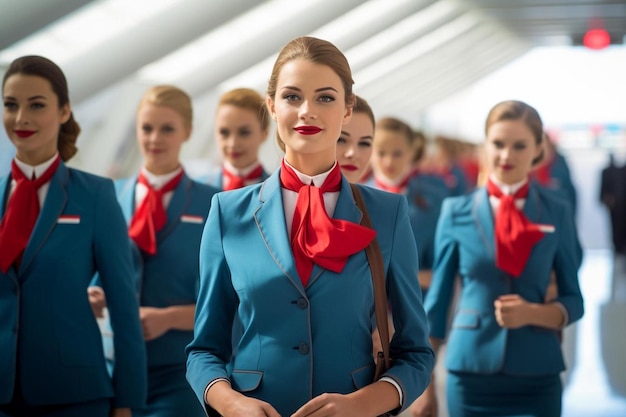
pixel 362 106
pixel 314 50
pixel 391 124
pixel 42 67
pixel 518 110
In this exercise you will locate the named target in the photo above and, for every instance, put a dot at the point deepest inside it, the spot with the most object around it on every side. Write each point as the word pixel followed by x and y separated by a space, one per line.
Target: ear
pixel 348 114
pixel 271 108
pixel 65 112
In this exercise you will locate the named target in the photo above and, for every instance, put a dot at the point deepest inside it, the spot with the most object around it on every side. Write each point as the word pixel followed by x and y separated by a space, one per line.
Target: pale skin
pixel 31 105
pixel 309 94
pixel 510 149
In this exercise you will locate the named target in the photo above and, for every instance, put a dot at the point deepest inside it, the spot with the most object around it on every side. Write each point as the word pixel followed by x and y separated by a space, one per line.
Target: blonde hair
pixel 249 99
pixel 172 97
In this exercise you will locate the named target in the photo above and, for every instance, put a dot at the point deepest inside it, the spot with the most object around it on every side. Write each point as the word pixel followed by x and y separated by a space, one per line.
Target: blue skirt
pixel 502 395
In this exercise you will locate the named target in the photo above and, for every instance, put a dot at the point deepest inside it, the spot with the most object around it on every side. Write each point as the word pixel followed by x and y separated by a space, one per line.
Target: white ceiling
pixel 406 55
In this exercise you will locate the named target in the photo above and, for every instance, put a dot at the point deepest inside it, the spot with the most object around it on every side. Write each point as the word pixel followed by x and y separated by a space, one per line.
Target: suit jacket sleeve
pixel 113 262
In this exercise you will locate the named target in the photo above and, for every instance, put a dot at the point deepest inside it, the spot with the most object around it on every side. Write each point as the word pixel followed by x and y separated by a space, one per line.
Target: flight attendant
pixel 241 127
pixel 306 312
pixel 504 240
pixel 166 212
pixel 354 146
pixel 396 151
pixel 60 226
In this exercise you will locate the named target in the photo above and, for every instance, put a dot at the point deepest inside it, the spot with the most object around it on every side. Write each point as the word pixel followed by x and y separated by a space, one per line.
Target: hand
pixel 426 404
pixel 326 405
pixel 97 300
pixel 249 407
pixel 153 322
pixel 121 412
pixel 511 311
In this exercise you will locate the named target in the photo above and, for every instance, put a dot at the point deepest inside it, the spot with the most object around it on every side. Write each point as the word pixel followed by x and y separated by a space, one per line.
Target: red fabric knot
pixel 515 234
pixel 150 216
pixel 315 237
pixel 21 215
pixel 234 181
pixel 397 189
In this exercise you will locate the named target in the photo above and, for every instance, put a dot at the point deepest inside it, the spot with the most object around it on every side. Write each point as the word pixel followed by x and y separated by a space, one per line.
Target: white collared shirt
pixel 507 189
pixel 37 171
pixel 290 197
pixel 157 182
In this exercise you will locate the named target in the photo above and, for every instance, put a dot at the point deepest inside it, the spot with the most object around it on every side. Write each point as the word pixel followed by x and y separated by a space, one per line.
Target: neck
pixel 161 170
pixel 36 157
pixel 310 164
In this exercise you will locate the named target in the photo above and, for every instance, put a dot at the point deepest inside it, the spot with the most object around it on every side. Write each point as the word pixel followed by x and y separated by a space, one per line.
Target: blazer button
pixel 303 348
pixel 302 303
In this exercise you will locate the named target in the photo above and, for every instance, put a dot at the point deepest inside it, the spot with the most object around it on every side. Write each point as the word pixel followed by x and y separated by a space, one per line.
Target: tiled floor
pixel 592 346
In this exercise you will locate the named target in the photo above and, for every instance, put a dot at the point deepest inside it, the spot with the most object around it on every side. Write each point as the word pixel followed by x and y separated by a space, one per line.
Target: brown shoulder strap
pixel 375 259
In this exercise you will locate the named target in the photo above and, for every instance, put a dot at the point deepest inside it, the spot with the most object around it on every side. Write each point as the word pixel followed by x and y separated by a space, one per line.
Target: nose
pixel 21 116
pixel 350 152
pixel 306 111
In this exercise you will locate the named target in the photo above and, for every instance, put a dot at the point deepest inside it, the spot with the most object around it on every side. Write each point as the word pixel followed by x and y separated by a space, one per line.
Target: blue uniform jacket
pixel 171 276
pixel 298 342
pixel 47 322
pixel 216 178
pixel 465 247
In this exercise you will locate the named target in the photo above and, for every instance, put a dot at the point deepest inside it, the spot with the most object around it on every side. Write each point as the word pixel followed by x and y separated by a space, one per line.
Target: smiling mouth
pixel 308 130
pixel 24 133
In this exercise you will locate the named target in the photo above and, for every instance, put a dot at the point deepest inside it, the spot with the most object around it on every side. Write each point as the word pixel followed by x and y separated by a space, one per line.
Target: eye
pixel 341 140
pixel 291 97
pixel 224 133
pixel 365 144
pixel 167 129
pixel 327 99
pixel 497 144
pixel 37 106
pixel 9 105
pixel 146 129
pixel 244 132
pixel 519 146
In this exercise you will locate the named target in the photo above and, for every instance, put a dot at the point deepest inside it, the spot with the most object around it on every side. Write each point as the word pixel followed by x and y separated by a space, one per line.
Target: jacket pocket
pixel 245 381
pixel 363 376
pixel 466 319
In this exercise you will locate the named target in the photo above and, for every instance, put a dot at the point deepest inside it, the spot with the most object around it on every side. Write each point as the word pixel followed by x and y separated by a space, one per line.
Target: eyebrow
pixel 29 98
pixel 289 87
pixel 343 132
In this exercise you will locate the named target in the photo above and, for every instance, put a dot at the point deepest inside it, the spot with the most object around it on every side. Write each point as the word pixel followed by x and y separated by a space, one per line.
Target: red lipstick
pixel 307 130
pixel 25 133
pixel 506 167
pixel 349 167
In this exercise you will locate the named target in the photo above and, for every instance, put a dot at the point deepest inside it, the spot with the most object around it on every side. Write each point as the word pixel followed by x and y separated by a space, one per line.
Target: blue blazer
pixel 425 194
pixel 561 181
pixel 465 247
pixel 216 178
pixel 47 322
pixel 299 342
pixel 171 276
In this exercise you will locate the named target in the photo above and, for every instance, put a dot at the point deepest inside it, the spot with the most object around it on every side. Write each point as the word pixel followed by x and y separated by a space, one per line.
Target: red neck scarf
pixel 316 238
pixel 21 215
pixel 398 188
pixel 543 174
pixel 515 234
pixel 150 216
pixel 234 181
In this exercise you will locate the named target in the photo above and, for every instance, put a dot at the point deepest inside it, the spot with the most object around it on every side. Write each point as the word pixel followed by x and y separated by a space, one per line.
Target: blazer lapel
pixel 483 217
pixel 126 198
pixel 177 206
pixel 55 202
pixel 532 206
pixel 346 209
pixel 270 220
pixel 5 185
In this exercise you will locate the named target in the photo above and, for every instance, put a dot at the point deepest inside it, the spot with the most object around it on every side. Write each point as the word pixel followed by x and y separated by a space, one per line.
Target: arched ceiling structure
pixel 406 55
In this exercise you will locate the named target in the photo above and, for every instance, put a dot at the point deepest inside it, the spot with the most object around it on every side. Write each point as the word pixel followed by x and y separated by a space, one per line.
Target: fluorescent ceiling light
pixel 84 29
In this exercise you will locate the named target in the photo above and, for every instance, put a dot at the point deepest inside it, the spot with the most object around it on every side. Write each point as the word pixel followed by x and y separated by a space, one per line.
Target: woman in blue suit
pixel 165 247
pixel 298 280
pixel 396 150
pixel 504 241
pixel 241 127
pixel 60 226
